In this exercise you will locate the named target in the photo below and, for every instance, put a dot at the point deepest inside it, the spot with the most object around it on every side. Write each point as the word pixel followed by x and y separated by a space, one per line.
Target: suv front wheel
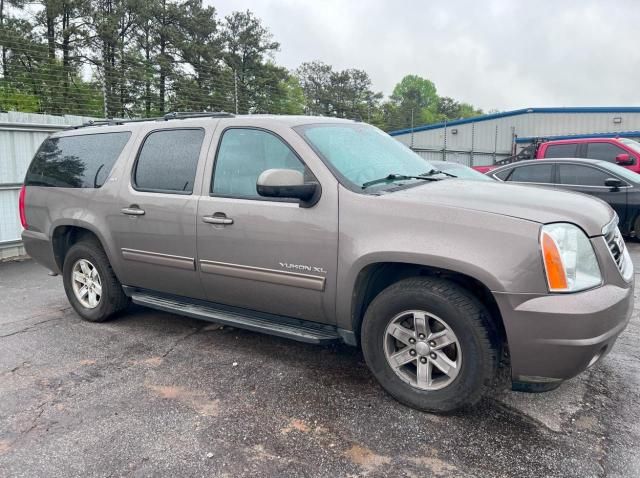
pixel 90 284
pixel 430 344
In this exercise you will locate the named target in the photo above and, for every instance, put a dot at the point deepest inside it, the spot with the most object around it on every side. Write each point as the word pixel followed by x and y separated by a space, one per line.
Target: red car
pixel 622 151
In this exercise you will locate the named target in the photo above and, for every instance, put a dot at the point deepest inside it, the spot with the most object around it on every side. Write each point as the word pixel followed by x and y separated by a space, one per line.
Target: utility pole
pixel 235 83
pixel 411 128
pixel 104 96
pixel 444 148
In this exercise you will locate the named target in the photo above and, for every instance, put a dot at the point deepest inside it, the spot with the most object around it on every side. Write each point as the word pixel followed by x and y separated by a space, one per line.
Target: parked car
pixel 615 185
pixel 325 230
pixel 459 170
pixel 622 151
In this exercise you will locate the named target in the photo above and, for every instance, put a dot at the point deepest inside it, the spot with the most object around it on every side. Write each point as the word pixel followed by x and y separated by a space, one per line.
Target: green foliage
pixel 345 94
pixel 450 109
pixel 12 99
pixel 142 58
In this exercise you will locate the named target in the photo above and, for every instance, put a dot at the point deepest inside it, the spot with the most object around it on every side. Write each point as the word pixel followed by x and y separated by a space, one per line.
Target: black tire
pixel 113 299
pixel 468 319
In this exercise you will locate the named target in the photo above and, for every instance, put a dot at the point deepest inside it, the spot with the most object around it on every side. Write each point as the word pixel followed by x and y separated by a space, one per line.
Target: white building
pixel 484 139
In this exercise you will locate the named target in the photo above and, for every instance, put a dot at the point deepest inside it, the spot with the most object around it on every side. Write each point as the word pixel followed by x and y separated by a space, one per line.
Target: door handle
pixel 219 219
pixel 132 211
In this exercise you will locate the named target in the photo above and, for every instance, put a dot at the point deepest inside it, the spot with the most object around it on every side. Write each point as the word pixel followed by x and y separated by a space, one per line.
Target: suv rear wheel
pixel 430 344
pixel 90 284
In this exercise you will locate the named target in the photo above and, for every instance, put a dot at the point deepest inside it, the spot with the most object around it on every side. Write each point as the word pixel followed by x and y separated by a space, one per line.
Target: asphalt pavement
pixel 156 394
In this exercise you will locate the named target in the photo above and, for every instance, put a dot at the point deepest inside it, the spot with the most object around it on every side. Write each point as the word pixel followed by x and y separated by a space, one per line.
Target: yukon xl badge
pixel 302 268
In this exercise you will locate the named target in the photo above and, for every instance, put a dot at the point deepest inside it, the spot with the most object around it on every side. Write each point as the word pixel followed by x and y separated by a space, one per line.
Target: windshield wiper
pixel 396 177
pixel 437 171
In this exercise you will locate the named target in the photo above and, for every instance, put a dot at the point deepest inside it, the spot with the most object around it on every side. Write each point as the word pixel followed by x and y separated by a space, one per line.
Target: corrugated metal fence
pixel 20 136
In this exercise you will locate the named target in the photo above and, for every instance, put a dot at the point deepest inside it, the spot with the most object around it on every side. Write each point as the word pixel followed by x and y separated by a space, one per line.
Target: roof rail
pixel 197 114
pixel 166 117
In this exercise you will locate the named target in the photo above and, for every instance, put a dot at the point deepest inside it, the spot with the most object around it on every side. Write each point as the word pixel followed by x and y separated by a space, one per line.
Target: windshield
pixel 361 153
pixel 460 171
pixel 631 144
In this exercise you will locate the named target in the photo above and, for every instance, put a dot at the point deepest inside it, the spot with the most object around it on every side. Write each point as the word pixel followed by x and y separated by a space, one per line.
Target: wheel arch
pixel 374 277
pixel 65 235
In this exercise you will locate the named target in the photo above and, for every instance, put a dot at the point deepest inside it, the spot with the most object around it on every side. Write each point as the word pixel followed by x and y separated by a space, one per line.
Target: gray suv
pixel 325 230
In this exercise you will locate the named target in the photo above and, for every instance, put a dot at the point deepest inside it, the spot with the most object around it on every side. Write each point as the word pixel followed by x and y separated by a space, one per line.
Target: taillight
pixel 23 216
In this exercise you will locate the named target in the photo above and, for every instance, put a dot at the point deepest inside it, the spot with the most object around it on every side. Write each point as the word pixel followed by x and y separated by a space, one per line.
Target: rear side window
pixel 581 175
pixel 168 160
pixel 561 151
pixel 83 161
pixel 603 151
pixel 502 175
pixel 535 173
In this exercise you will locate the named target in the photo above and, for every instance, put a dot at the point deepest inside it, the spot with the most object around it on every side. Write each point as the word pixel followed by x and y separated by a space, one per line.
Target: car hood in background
pixel 533 203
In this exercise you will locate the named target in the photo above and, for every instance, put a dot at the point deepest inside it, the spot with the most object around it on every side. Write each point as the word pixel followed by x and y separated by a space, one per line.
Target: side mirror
pixel 287 183
pixel 613 183
pixel 624 159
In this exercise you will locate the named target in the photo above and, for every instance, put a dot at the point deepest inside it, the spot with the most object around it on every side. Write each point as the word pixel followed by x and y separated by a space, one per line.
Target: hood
pixel 532 203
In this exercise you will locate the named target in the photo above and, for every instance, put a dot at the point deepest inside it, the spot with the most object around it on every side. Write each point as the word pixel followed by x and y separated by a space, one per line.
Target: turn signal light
pixel 554 268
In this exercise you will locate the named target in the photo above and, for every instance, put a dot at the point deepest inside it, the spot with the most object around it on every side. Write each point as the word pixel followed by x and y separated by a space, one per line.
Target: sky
pixel 494 54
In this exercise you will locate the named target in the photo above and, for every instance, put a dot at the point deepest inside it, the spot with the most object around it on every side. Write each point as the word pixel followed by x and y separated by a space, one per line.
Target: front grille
pixel 616 246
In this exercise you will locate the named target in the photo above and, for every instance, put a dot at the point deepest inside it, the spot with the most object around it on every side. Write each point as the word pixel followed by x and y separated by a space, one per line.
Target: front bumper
pixel 554 337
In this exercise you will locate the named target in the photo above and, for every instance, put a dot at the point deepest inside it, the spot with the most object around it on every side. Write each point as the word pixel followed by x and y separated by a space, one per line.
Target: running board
pixel 287 327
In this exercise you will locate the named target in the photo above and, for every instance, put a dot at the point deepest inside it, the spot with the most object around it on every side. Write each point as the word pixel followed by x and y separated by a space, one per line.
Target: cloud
pixel 502 54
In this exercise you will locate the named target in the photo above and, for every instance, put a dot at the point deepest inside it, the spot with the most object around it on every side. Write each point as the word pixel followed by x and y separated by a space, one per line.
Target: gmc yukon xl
pixel 324 230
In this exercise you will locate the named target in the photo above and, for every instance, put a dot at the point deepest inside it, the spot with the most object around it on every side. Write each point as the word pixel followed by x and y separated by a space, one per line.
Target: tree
pixel 200 49
pixel 247 46
pixel 315 80
pixel 450 109
pixel 414 101
pixel 345 94
pixel 133 58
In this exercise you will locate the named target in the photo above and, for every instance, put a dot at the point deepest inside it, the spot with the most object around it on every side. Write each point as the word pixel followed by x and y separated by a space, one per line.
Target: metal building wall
pixel 486 139
pixel 20 136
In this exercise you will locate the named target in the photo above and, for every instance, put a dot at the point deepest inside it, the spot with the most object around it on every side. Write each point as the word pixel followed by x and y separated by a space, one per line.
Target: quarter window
pixel 502 175
pixel 243 155
pixel 561 151
pixel 168 160
pixel 581 175
pixel 82 161
pixel 535 173
pixel 603 151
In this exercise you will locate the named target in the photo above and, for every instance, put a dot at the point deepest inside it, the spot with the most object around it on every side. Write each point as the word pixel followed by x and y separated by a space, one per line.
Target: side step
pixel 287 327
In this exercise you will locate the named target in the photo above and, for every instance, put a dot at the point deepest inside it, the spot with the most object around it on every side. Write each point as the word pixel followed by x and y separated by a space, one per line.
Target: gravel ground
pixel 155 394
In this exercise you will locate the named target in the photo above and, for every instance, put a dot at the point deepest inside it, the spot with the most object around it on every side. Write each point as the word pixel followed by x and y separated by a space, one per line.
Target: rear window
pixel 76 161
pixel 561 151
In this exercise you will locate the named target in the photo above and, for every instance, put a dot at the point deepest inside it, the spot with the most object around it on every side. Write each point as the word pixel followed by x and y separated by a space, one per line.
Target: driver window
pixel 243 155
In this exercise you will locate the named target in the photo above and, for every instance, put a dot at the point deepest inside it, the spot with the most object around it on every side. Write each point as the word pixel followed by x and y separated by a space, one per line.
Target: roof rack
pixel 166 117
pixel 197 114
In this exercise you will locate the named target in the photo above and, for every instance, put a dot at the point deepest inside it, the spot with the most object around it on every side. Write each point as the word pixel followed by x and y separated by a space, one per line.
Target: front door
pixel 590 180
pixel 154 226
pixel 262 254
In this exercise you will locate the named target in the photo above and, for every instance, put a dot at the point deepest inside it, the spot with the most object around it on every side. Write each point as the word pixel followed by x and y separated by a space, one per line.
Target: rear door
pixel 264 254
pixel 590 180
pixel 538 173
pixel 154 225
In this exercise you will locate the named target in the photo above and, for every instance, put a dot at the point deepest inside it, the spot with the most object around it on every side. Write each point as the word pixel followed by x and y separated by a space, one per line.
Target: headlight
pixel 569 259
